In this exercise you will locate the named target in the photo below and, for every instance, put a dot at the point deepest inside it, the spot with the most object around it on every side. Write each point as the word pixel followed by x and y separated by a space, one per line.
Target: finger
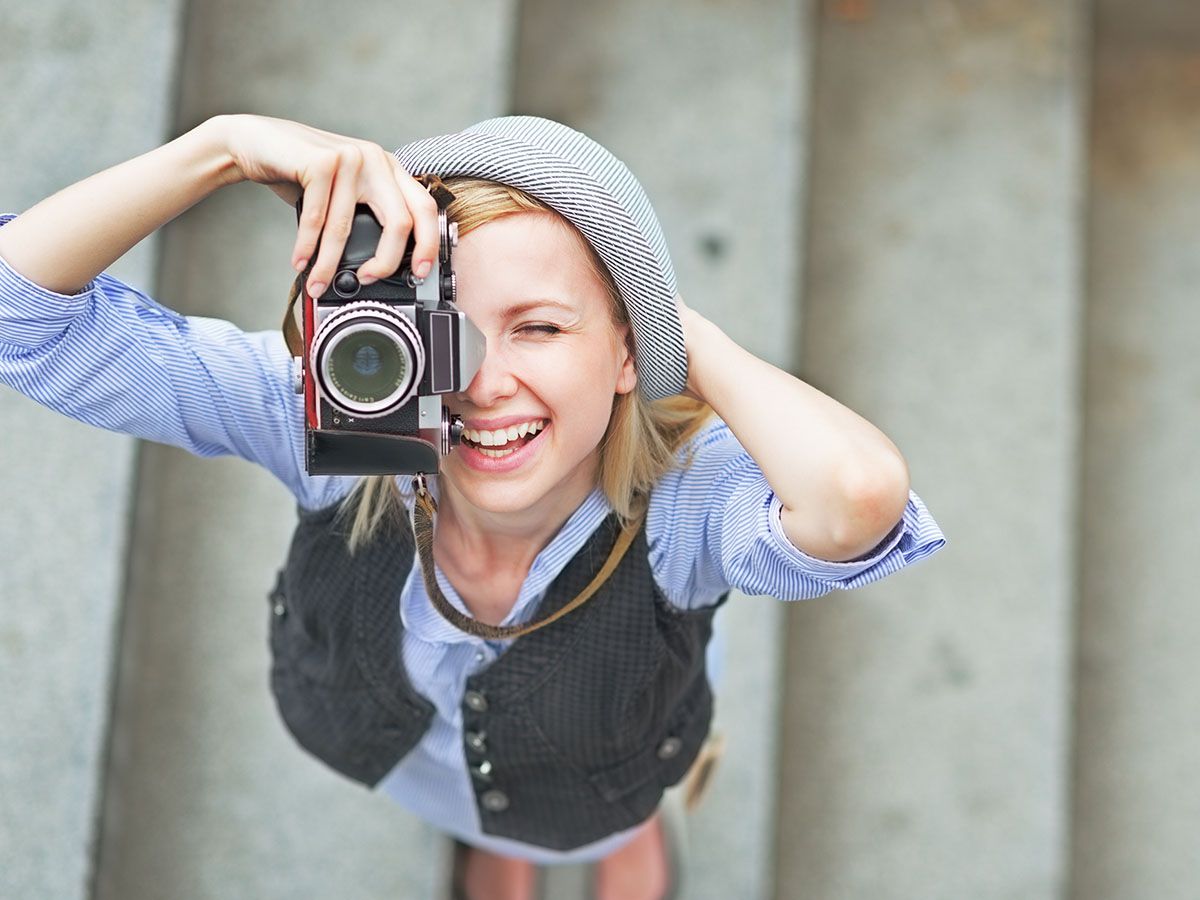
pixel 338 220
pixel 424 211
pixel 397 224
pixel 312 213
pixel 388 203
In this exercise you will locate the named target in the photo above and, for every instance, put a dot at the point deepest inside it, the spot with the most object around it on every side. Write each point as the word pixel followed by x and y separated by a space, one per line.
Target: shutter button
pixel 494 800
pixel 669 748
pixel 476 701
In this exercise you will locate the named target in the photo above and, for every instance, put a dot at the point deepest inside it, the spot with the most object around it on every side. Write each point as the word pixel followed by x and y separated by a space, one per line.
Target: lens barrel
pixel 368 359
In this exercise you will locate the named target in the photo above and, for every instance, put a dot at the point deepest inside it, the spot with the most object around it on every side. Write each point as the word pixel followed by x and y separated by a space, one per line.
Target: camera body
pixel 378 357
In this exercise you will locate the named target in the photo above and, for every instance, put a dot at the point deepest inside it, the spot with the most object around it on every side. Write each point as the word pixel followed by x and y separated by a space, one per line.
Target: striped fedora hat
pixel 597 193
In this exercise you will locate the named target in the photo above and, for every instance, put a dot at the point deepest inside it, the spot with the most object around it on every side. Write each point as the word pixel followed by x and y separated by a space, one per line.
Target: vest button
pixel 494 800
pixel 482 772
pixel 669 748
pixel 476 701
pixel 476 740
pixel 279 609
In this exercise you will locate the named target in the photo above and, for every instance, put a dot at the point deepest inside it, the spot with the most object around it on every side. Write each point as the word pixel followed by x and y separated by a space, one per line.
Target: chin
pixel 501 499
pixel 490 494
pixel 501 494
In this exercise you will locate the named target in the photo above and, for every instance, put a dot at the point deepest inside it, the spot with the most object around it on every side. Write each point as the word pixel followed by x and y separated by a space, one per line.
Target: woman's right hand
pixel 334 173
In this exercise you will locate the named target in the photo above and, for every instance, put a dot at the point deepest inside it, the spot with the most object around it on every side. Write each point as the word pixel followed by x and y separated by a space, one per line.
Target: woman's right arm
pixel 91 347
pixel 69 238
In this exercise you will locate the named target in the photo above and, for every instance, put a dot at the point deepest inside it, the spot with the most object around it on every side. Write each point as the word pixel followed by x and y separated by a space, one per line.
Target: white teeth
pixel 496 454
pixel 502 436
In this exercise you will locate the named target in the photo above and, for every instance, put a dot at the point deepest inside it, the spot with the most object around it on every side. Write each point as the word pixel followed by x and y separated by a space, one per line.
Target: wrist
pixel 209 149
pixel 703 339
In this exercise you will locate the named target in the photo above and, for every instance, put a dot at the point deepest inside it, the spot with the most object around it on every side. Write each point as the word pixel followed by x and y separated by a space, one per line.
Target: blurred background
pixel 971 221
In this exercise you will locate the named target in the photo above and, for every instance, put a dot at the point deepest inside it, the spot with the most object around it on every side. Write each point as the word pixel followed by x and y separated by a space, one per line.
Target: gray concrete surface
pixel 927 716
pixel 926 745
pixel 72 107
pixel 654 82
pixel 1137 803
pixel 210 796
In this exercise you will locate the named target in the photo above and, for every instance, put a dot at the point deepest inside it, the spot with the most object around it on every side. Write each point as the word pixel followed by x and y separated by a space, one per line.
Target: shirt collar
pixel 423 621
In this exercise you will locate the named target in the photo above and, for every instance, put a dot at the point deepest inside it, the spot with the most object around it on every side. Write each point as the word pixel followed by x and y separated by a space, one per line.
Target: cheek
pixel 588 401
pixel 577 385
pixel 564 369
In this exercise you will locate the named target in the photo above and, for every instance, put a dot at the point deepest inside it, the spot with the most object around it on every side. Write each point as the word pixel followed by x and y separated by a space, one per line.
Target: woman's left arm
pixel 842 483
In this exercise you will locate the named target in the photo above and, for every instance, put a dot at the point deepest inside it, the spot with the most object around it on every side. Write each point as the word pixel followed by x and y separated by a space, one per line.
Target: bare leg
pixel 490 876
pixel 638 870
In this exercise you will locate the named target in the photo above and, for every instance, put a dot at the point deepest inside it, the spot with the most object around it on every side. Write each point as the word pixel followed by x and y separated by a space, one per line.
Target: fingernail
pixel 423 268
pixel 316 289
pixel 299 265
pixel 367 279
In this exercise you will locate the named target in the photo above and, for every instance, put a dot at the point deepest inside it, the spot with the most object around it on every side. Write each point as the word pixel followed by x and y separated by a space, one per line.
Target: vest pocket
pixel 297 641
pixel 661 761
pixel 325 703
pixel 345 729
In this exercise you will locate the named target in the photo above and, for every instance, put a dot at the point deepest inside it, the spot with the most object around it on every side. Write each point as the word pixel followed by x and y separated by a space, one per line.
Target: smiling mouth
pixel 503 450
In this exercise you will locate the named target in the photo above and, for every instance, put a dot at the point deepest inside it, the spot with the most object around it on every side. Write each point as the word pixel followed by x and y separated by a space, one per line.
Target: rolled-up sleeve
pixel 715 525
pixel 113 357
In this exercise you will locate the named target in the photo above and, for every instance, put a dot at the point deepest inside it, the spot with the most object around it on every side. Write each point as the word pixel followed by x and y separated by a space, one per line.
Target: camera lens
pixel 368 359
pixel 367 366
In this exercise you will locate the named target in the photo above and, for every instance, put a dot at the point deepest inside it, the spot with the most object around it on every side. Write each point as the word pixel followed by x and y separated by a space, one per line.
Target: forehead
pixel 508 264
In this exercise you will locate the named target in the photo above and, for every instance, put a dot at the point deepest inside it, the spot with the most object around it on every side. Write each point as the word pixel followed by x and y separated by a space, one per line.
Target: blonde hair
pixel 643 436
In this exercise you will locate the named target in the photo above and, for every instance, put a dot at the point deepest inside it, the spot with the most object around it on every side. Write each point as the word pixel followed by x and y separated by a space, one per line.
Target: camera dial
pixel 368 359
pixel 345 283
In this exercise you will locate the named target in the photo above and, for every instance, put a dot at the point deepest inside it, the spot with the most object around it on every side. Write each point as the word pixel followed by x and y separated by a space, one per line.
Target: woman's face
pixel 554 359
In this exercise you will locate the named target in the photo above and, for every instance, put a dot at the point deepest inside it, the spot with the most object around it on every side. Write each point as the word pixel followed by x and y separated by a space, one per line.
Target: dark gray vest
pixel 571 734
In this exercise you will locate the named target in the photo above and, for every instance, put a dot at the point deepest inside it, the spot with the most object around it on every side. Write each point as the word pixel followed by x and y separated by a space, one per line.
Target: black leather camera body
pixel 378 357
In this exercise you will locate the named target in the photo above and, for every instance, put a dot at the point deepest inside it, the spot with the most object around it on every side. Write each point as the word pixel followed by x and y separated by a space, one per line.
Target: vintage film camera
pixel 378 357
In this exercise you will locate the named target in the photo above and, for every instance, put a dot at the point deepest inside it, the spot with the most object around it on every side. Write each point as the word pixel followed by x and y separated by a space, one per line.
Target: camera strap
pixel 424 509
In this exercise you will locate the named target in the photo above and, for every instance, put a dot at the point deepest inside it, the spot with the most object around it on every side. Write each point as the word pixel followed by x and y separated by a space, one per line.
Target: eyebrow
pixel 517 309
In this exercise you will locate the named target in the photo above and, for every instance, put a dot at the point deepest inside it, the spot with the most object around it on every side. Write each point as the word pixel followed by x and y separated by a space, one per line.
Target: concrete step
pixel 926 745
pixel 1136 809
pixel 928 716
pixel 68 487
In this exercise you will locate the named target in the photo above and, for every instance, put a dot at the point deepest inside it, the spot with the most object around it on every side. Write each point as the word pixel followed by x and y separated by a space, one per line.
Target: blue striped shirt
pixel 113 357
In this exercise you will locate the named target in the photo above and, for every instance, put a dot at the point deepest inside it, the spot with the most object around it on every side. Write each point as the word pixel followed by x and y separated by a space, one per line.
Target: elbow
pixel 875 498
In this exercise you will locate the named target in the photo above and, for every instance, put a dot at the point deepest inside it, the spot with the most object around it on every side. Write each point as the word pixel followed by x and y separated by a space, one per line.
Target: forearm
pixel 66 240
pixel 843 484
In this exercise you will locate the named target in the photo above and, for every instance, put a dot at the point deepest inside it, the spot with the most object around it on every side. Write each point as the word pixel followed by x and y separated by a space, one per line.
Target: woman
pixel 578 472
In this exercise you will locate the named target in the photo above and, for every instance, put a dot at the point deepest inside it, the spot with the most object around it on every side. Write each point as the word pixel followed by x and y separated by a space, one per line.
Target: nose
pixel 493 382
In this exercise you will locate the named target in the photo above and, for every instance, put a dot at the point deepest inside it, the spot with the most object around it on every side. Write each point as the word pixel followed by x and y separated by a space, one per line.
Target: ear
pixel 627 376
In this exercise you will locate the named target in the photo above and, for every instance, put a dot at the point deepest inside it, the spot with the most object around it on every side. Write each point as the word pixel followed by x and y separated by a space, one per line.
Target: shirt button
pixel 476 741
pixel 494 800
pixel 476 701
pixel 279 609
pixel 669 748
pixel 479 656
